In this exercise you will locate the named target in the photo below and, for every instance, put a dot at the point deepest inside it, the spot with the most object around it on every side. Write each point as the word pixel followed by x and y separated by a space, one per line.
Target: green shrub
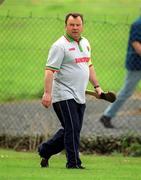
pixel 127 145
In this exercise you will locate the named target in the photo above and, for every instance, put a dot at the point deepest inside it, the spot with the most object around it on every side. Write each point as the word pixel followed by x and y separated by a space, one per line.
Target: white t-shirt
pixel 70 60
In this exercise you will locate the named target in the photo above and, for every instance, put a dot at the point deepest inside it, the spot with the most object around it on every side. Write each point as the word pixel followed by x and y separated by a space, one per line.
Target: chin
pixel 76 37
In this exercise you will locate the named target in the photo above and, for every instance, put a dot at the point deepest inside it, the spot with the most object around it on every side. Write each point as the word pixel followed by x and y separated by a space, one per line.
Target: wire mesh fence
pixel 24 45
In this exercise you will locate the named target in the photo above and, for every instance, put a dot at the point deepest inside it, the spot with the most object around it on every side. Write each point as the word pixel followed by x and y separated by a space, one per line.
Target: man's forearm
pixel 48 81
pixel 93 78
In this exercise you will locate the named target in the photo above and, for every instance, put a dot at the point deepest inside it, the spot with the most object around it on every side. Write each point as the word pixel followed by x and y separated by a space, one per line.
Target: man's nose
pixel 75 26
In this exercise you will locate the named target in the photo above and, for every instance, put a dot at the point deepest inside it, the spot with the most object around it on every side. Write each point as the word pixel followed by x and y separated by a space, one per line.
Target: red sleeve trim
pixel 52 70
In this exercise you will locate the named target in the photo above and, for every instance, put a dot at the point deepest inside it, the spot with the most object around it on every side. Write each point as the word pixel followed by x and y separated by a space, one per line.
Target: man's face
pixel 74 27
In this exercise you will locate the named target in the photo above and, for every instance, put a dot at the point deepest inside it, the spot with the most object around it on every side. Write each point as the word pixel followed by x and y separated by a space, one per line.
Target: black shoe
pixel 75 167
pixel 106 121
pixel 44 162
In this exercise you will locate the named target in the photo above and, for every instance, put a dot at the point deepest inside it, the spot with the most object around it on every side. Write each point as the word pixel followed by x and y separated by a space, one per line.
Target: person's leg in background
pixel 131 81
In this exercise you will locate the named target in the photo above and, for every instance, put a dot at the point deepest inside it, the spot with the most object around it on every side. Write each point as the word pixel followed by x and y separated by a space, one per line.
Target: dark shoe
pixel 75 167
pixel 106 121
pixel 44 162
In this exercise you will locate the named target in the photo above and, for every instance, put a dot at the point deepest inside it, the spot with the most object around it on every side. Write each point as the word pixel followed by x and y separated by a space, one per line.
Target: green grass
pixel 25 41
pixel 54 7
pixel 25 166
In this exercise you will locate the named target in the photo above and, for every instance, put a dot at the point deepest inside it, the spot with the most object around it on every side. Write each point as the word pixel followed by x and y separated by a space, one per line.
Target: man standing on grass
pixel 133 66
pixel 67 73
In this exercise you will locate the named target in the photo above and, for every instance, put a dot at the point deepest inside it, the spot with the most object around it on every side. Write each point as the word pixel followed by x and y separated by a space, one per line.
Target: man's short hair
pixel 75 15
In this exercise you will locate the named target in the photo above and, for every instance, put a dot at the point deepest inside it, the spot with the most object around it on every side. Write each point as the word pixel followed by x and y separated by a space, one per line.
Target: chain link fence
pixel 24 45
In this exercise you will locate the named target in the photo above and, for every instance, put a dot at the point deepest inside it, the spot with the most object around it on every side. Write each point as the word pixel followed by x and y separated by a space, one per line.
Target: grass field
pixel 61 7
pixel 25 41
pixel 25 166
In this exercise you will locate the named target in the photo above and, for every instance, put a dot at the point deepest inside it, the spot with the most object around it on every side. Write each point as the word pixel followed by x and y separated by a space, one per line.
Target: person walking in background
pixel 133 76
pixel 68 71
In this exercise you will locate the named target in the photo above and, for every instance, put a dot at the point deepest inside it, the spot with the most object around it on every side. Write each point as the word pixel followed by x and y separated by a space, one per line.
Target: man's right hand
pixel 46 100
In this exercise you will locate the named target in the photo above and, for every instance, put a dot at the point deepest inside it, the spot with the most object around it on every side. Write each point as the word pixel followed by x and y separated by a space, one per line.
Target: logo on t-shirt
pixel 83 59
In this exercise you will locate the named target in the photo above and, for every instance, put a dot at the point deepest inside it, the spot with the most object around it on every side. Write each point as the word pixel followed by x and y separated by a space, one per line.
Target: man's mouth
pixel 75 32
